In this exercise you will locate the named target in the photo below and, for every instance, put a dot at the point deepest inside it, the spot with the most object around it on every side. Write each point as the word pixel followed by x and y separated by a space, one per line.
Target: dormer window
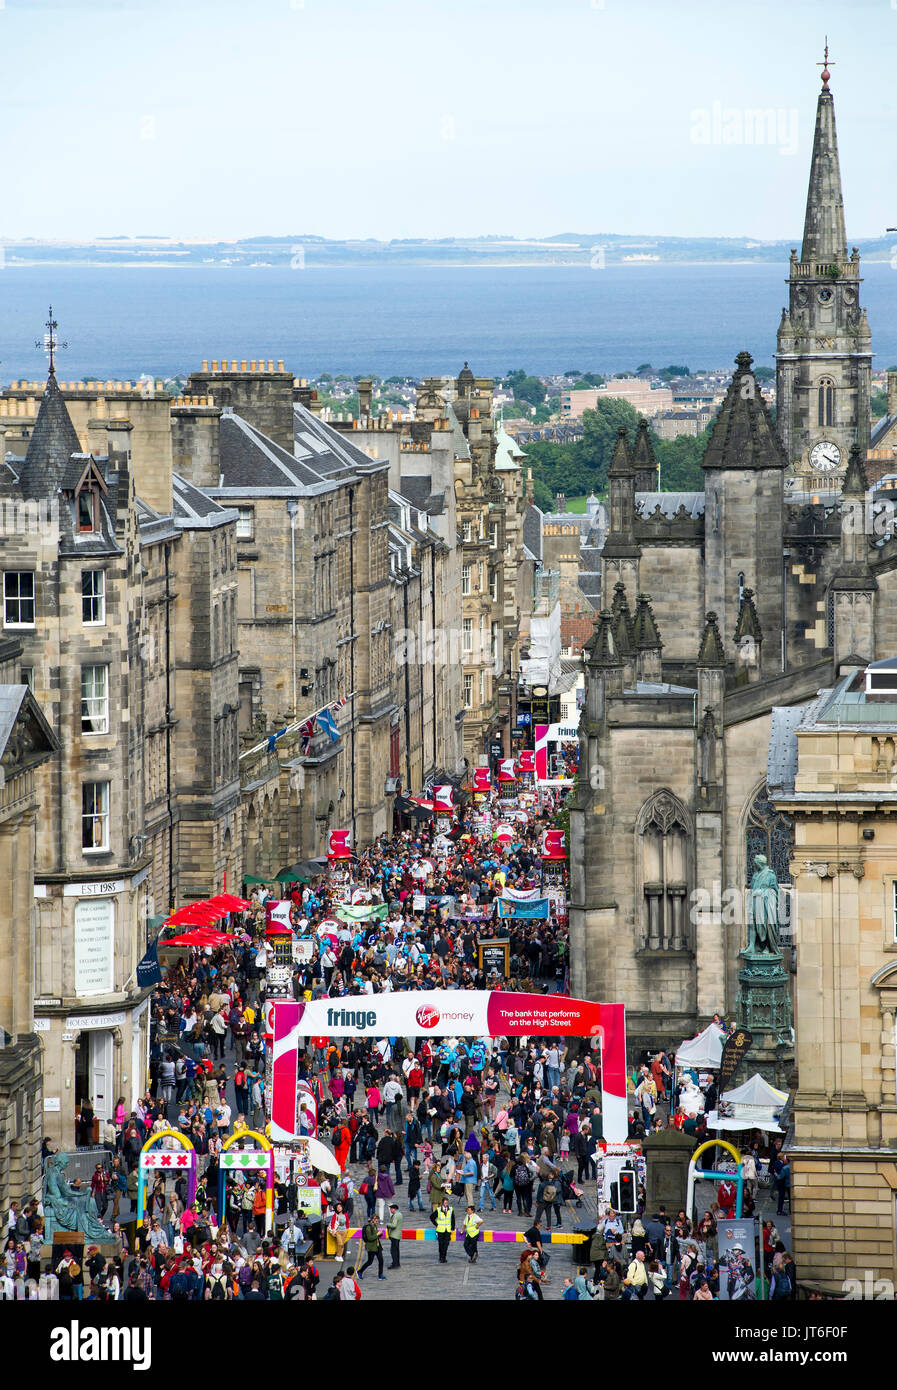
pixel 85 503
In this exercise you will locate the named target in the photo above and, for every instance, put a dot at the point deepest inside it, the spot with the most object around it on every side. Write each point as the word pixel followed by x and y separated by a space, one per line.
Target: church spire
pixel 825 239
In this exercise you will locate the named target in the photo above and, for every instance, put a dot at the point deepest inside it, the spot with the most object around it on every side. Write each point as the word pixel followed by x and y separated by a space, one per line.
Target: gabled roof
pixel 195 510
pixel 26 738
pixel 249 460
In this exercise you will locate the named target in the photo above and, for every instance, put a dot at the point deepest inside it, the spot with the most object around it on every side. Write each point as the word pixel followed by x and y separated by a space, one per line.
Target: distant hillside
pixel 306 250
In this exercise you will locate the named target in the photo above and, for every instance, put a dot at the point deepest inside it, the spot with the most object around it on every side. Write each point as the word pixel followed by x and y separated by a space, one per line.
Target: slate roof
pixel 194 509
pixel 646 504
pixel 532 531
pixel 781 765
pixel 743 434
pixel 50 448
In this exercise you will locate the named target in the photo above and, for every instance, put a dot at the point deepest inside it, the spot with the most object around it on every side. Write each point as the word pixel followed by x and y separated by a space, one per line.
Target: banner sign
pixel 527 760
pixel 737 1257
pixel 338 845
pixel 467 1013
pixel 536 908
pixel 506 770
pixel 553 844
pixel 442 798
pixel 277 912
pixel 495 956
pixel 541 750
pixel 482 782
pixel 734 1048
pixel 362 913
pixel 285 1067
pixel 305 949
pixel 521 895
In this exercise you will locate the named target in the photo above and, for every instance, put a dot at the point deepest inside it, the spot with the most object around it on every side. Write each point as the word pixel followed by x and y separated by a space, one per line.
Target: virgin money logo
pixel 427 1016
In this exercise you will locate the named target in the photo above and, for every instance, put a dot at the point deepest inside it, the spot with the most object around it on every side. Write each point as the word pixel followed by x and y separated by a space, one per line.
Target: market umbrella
pixel 229 903
pixel 251 878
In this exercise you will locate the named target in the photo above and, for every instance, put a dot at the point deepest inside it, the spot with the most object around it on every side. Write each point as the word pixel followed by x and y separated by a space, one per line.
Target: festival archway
pixel 443 1013
pixel 259 1157
pixel 695 1172
pixel 167 1162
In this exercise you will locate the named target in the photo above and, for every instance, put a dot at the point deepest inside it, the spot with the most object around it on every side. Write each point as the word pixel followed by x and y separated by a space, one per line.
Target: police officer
pixel 472 1224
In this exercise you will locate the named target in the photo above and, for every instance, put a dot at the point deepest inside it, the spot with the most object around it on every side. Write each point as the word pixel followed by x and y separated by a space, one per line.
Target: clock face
pixel 825 455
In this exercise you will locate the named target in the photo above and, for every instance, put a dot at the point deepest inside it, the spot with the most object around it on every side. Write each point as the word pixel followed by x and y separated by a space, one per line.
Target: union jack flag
pixel 306 733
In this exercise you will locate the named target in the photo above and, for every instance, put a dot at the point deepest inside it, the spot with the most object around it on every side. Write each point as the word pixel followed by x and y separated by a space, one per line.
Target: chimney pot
pixel 242 366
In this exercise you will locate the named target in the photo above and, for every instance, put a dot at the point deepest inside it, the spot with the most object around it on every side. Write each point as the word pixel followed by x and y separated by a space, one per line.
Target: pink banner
pixel 338 845
pixel 284 1067
pixel 541 741
pixel 553 844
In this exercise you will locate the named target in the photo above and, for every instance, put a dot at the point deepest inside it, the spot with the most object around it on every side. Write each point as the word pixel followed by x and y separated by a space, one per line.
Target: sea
pixel 130 321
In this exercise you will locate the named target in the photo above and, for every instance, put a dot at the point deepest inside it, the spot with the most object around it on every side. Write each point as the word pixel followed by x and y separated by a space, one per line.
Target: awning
pixel 156 920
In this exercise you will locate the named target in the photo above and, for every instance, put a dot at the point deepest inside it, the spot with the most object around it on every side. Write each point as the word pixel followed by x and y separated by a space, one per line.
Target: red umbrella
pixel 229 903
pixel 195 915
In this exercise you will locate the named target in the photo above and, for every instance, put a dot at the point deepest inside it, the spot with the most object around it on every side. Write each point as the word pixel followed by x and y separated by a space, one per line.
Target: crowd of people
pixel 451 1127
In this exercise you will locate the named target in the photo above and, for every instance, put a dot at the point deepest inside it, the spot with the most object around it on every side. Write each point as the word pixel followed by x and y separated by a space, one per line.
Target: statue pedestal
pixel 763 1006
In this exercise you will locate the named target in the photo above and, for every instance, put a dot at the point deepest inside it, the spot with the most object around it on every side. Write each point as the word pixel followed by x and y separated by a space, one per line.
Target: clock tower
pixel 823 357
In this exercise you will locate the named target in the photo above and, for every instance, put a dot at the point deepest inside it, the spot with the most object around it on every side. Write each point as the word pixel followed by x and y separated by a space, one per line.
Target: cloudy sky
pixel 401 118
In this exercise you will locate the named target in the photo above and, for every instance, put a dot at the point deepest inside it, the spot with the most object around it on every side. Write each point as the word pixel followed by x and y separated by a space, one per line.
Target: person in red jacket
pixel 726 1194
pixel 342 1144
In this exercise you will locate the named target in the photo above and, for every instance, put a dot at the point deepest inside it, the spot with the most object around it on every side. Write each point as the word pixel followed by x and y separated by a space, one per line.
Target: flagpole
pixel 293 726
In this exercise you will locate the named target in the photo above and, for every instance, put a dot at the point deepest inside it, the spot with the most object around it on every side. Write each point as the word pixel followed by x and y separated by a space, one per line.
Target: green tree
pixel 599 435
pixel 878 404
pixel 763 373
pixel 526 388
pixel 668 372
pixel 680 461
pixel 542 495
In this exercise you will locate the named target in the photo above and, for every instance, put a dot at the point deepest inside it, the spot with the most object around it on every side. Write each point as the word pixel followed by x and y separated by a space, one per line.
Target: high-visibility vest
pixel 443 1222
pixel 472 1226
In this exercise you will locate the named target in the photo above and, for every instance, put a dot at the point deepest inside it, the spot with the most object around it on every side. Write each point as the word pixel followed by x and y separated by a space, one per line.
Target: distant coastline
pixel 567 250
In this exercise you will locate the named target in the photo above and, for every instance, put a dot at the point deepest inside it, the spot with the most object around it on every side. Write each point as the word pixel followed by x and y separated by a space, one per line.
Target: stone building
pixel 26 743
pixel 72 597
pixel 831 772
pixel 718 606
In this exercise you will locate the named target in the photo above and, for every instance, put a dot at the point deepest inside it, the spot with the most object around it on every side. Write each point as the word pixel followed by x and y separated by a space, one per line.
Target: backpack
pixel 177 1285
pixel 550 1193
pixel 240 1078
pixel 521 1175
pixel 217 1286
pixel 336 1136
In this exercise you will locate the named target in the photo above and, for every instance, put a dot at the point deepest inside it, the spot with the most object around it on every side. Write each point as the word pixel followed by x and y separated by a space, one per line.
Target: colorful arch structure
pixel 165 1161
pixel 259 1156
pixel 694 1172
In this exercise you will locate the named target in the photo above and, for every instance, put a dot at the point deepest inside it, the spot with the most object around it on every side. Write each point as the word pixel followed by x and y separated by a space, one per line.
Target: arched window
pixel 771 833
pixel 826 410
pixel 664 862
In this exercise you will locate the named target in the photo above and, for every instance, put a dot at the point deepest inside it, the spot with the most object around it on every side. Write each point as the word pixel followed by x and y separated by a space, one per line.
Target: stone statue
pixel 66 1209
pixel 764 900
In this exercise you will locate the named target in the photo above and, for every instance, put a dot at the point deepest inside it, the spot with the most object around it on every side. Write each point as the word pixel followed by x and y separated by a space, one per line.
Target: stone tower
pixel 823 357
pixel 744 468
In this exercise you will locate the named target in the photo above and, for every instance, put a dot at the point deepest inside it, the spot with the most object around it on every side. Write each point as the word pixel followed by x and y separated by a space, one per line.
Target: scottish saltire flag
pixel 306 733
pixel 328 724
pixel 272 739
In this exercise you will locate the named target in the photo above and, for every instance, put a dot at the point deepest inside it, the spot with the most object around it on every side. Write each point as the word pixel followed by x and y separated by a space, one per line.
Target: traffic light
pixel 628 1192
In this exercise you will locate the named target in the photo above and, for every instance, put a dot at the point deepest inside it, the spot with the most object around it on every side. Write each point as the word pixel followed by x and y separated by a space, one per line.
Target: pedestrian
pixel 635 1285
pixel 370 1236
pixel 394 1232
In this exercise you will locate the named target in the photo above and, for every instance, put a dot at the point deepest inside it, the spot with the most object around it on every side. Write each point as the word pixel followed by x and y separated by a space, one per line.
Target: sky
pixel 212 119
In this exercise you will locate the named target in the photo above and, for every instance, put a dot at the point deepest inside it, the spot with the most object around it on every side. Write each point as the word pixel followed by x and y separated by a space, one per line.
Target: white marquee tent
pixel 704 1051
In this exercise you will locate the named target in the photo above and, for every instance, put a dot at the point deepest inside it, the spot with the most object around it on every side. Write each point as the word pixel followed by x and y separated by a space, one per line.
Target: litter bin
pixel 582 1240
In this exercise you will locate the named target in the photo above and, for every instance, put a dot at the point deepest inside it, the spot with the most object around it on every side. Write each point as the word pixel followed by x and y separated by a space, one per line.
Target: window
pixel 245 523
pixel 466 531
pixel 826 409
pixel 86 514
pixel 27 677
pixel 94 699
pixel 493 585
pixel 894 908
pixel 467 636
pixel 93 597
pixel 394 751
pixel 496 531
pixel 465 579
pixel 95 816
pixel 468 692
pixel 482 687
pixel 18 598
